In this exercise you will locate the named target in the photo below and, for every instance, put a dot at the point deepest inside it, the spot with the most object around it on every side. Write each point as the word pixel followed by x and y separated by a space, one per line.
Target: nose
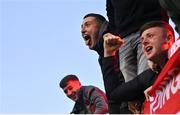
pixel 83 29
pixel 144 41
pixel 69 93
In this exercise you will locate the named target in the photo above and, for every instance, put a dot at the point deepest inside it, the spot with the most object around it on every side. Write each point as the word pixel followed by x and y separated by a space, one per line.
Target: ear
pixel 170 39
pixel 79 83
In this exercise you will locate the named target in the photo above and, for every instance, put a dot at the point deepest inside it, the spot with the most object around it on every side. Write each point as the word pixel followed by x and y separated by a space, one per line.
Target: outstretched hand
pixel 111 44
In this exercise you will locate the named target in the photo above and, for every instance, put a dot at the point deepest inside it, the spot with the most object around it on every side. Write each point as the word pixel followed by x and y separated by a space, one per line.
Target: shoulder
pixel 88 90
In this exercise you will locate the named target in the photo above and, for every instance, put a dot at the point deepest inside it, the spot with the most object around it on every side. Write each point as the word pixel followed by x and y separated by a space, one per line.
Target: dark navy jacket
pixel 91 100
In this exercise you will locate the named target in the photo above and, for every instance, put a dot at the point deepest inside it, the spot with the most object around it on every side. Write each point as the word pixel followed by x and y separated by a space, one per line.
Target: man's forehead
pixel 152 30
pixel 89 19
pixel 71 83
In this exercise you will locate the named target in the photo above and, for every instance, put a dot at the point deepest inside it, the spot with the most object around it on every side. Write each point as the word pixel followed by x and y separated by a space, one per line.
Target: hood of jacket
pixel 98 47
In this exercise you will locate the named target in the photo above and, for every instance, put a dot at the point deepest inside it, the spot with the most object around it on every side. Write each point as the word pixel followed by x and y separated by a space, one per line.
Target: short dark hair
pixel 99 17
pixel 160 24
pixel 66 79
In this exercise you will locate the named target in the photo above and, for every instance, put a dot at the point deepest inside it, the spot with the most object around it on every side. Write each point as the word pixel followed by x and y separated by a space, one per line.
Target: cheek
pixel 74 89
pixel 95 32
pixel 162 45
pixel 158 49
pixel 68 95
pixel 165 46
pixel 143 48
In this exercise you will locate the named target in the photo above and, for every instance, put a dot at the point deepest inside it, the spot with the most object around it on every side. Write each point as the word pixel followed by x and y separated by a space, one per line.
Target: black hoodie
pixel 127 16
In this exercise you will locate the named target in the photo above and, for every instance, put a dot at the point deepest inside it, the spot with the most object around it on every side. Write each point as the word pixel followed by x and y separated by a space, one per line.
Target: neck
pixel 98 47
pixel 162 59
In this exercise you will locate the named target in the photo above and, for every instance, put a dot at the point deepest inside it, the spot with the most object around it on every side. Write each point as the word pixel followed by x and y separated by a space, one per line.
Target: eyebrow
pixel 85 23
pixel 65 89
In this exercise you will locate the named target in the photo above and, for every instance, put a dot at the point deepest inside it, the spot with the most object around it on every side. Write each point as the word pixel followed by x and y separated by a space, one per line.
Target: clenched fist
pixel 111 44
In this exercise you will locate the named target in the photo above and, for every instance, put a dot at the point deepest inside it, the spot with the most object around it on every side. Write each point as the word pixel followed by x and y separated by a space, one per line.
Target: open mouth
pixel 87 39
pixel 148 49
pixel 73 96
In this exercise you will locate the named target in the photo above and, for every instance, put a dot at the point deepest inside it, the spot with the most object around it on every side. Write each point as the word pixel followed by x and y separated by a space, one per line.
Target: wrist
pixel 109 54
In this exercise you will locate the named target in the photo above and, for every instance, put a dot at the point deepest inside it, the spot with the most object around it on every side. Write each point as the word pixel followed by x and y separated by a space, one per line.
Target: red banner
pixel 165 92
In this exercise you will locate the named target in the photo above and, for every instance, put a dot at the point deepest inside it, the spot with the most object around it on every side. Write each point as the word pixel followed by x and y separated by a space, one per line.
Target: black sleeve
pixel 114 84
pixel 112 76
pixel 134 89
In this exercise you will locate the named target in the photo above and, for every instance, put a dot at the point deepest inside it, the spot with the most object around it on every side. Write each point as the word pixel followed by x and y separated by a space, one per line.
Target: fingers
pixel 109 36
pixel 112 40
pixel 134 107
pixel 111 44
pixel 146 93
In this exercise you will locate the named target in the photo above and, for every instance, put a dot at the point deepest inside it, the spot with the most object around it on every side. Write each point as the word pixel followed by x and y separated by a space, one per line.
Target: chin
pixel 149 57
pixel 90 48
pixel 74 100
pixel 153 59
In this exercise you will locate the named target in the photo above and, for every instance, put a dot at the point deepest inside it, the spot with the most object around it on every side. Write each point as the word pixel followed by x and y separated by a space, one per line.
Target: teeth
pixel 86 37
pixel 148 48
